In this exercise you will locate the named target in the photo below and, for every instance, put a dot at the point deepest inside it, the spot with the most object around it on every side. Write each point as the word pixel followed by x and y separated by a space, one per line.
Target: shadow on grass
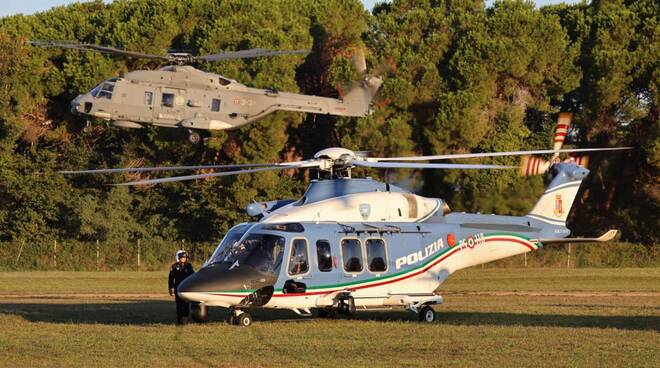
pixel 163 312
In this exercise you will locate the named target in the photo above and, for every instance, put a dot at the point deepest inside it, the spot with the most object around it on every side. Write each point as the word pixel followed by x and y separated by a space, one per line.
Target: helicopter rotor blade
pixel 282 166
pixel 493 154
pixel 162 168
pixel 97 48
pixel 409 165
pixel 247 54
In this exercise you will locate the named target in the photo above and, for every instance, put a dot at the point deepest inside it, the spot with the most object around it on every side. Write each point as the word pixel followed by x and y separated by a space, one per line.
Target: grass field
pixel 504 317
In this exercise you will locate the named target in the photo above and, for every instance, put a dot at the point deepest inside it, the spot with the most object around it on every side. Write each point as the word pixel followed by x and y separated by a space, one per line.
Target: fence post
pixel 20 250
pixel 54 253
pixel 568 257
pixel 525 259
pixel 97 254
pixel 138 255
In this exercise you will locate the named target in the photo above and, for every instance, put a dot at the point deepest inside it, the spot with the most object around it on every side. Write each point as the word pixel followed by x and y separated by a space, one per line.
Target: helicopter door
pixel 171 106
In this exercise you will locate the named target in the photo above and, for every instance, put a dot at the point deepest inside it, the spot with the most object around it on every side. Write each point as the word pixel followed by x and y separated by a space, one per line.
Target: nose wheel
pixel 194 137
pixel 239 317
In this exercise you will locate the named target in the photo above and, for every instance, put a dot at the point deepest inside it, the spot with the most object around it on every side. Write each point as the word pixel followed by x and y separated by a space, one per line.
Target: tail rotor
pixel 533 165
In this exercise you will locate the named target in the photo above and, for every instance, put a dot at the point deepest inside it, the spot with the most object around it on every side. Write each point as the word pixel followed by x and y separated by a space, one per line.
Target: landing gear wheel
pixel 245 319
pixel 194 137
pixel 427 314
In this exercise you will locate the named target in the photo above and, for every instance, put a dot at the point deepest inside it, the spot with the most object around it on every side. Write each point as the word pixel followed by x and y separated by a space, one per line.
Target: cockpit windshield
pixel 263 252
pixel 233 236
pixel 105 89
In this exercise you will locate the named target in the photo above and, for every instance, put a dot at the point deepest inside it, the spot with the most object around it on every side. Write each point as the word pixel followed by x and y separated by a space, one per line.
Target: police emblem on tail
pixel 559 209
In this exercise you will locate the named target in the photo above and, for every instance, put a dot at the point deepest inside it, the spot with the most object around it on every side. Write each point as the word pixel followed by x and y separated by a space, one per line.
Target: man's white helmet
pixel 181 253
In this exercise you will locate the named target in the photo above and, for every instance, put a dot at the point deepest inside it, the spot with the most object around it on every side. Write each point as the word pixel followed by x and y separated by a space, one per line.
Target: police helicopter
pixel 181 96
pixel 352 244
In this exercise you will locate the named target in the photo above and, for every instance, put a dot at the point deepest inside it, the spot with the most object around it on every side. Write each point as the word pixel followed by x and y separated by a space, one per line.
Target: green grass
pixel 473 330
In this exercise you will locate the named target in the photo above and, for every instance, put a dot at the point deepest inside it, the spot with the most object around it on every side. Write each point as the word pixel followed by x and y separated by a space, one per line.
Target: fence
pixel 158 254
pixel 141 255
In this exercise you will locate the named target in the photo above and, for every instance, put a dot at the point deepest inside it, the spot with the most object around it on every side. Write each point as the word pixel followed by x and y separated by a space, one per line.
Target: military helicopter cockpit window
pixel 298 261
pixel 167 100
pixel 224 82
pixel 104 90
pixel 351 251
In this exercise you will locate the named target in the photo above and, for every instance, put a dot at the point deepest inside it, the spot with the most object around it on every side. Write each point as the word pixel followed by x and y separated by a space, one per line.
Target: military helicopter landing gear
pixel 194 137
pixel 239 317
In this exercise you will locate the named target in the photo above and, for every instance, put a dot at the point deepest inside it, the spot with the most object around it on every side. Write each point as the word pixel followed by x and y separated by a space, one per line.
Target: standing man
pixel 180 270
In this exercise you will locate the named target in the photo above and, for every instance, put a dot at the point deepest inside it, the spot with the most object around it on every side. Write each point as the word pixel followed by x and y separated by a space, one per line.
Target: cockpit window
pixel 233 236
pixel 104 90
pixel 224 82
pixel 263 252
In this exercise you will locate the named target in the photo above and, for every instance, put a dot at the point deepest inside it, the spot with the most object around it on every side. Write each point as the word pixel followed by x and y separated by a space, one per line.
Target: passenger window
pixel 148 98
pixel 298 261
pixel 168 100
pixel 376 256
pixel 324 255
pixel 352 255
pixel 215 105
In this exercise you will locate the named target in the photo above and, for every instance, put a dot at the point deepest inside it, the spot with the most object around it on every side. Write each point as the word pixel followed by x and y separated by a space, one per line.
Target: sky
pixel 10 7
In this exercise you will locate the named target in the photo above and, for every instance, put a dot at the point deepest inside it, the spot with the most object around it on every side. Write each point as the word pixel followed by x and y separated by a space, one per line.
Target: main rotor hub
pixel 335 154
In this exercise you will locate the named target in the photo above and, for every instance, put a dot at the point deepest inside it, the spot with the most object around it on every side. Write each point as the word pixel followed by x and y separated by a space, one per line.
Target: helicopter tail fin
pixel 555 203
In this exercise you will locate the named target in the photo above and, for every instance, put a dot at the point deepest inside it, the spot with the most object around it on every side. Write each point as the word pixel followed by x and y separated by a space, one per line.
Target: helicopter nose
pixel 213 281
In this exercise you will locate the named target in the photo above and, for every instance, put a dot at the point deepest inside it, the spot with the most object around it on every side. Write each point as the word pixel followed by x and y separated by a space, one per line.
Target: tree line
pixel 468 78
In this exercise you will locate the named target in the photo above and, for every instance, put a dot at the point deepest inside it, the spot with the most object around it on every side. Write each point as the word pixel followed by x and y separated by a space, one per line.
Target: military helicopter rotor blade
pixel 247 54
pixel 282 166
pixel 410 165
pixel 97 48
pixel 163 168
pixel 493 154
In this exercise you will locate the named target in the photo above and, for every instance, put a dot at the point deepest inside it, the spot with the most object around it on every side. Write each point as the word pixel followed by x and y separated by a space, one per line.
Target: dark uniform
pixel 178 273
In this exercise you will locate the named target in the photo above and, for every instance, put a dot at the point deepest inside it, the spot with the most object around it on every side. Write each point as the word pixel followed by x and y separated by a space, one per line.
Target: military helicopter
pixel 353 244
pixel 181 96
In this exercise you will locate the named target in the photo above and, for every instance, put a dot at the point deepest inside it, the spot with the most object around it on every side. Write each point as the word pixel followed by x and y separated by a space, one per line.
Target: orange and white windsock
pixel 532 165
pixel 563 123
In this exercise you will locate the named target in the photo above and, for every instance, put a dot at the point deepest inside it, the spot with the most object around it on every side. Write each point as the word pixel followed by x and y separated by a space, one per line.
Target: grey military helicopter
pixel 181 96
pixel 352 244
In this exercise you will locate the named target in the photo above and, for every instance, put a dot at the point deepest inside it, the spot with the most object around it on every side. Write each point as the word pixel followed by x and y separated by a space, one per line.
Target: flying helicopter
pixel 352 244
pixel 181 96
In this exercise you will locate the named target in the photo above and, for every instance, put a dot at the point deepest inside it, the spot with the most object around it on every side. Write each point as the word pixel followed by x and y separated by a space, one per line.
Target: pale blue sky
pixel 10 7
